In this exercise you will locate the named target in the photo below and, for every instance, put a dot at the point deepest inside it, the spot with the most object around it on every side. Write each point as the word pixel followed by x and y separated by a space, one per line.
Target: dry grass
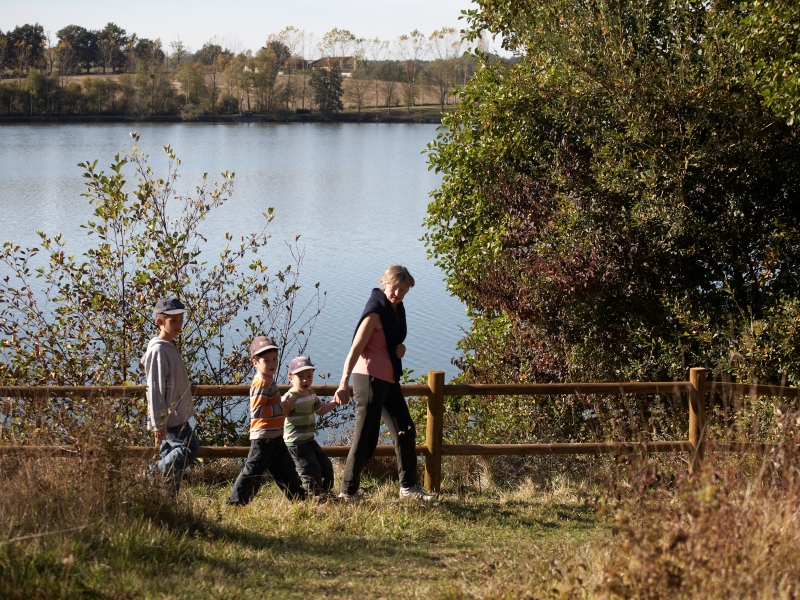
pixel 91 527
pixel 75 528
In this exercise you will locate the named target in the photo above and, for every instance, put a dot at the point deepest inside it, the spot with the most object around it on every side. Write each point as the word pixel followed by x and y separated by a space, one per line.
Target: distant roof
pixel 346 63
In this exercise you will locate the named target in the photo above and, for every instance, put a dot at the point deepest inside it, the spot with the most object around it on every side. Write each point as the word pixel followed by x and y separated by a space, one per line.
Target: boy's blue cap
pixel 300 363
pixel 168 306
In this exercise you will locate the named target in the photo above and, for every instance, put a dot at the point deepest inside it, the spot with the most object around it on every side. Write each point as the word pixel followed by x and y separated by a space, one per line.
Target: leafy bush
pixel 87 320
pixel 618 204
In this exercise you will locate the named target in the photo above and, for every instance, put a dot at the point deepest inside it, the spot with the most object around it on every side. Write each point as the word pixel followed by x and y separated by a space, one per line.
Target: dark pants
pixel 314 467
pixel 374 399
pixel 266 457
pixel 177 451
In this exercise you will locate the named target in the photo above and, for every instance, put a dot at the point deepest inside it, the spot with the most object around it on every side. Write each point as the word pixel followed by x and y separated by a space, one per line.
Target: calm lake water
pixel 356 193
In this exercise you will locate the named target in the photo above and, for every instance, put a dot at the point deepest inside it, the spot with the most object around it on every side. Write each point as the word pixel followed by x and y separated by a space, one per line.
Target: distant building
pixel 346 63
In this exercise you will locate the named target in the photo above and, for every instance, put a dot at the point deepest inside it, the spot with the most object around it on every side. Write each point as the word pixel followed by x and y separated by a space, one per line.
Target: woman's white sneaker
pixel 345 497
pixel 415 492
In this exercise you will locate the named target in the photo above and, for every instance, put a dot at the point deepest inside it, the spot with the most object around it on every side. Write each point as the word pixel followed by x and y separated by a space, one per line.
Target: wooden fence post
pixel 434 430
pixel 697 416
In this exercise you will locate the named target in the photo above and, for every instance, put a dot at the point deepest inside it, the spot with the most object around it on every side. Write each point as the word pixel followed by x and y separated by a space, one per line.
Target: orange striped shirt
pixel 266 412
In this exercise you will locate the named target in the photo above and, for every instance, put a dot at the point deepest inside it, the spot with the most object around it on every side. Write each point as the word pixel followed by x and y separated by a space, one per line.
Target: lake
pixel 355 193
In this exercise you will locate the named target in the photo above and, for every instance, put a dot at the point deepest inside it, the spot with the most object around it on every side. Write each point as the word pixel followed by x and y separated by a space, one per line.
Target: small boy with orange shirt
pixel 268 453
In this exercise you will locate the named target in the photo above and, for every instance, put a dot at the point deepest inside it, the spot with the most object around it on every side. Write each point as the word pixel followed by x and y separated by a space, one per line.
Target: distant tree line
pixel 111 71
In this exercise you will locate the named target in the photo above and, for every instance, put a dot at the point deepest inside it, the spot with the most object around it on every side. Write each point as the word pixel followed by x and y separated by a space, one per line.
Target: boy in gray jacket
pixel 169 395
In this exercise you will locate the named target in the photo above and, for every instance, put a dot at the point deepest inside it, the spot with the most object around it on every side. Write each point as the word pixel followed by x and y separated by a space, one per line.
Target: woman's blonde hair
pixel 396 274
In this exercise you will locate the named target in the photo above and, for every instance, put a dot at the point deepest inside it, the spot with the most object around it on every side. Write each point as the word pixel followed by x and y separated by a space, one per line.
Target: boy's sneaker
pixel 345 497
pixel 149 474
pixel 415 492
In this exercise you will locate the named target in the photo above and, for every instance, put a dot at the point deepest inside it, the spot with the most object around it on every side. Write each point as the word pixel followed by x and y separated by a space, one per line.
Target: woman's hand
pixel 400 351
pixel 342 395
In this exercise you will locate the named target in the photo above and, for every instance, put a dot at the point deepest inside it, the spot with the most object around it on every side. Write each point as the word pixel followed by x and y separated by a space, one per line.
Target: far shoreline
pixel 425 115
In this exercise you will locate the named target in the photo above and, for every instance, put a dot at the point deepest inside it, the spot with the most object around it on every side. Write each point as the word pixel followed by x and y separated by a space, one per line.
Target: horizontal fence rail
pixel 433 450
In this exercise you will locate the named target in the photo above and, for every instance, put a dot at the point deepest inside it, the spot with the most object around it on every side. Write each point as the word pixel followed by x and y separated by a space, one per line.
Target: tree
pixel 49 54
pixel 442 74
pixel 337 43
pixel 208 54
pixel 307 47
pixel 292 39
pixel 111 43
pixel 619 204
pixel 327 88
pixel 375 50
pixel 279 50
pixel 149 51
pixel 264 69
pixel 447 46
pixel 179 52
pixel 359 84
pixel 410 49
pixel 388 73
pixel 28 44
pixel 193 85
pixel 212 55
pixel 83 42
pixel 769 36
pixel 67 60
pixel 5 52
pixel 98 317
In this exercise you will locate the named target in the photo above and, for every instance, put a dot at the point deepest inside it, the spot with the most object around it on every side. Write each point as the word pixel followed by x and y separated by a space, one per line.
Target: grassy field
pixel 427 112
pixel 91 528
pixel 460 546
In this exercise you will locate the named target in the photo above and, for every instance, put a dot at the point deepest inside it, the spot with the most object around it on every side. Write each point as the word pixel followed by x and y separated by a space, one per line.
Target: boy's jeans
pixel 266 457
pixel 177 452
pixel 314 467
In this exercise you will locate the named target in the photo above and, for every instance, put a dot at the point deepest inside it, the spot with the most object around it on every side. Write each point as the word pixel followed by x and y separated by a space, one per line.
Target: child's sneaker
pixel 415 492
pixel 345 497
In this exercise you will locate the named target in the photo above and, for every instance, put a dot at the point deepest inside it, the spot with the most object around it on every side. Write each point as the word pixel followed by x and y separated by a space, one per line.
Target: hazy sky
pixel 246 21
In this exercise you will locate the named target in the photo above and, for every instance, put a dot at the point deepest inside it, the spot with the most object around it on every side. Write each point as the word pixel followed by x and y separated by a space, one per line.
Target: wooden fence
pixel 695 389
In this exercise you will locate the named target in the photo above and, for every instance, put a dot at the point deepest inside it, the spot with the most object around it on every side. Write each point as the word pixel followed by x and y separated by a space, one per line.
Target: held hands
pixel 342 395
pixel 288 405
pixel 400 351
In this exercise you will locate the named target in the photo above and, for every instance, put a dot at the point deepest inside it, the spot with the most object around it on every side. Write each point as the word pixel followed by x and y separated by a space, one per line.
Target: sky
pixel 246 22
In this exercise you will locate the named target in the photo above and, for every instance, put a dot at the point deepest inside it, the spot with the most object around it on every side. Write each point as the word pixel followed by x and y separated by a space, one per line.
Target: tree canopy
pixel 327 87
pixel 621 203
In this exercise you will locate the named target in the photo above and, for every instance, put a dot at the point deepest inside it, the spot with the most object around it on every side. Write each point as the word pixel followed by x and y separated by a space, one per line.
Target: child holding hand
pixel 268 453
pixel 313 465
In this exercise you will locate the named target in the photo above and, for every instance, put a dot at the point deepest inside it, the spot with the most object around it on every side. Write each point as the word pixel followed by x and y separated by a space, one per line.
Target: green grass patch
pixel 381 547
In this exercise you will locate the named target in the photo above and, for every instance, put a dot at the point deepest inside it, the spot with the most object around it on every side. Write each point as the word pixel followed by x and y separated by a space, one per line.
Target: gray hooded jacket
pixel 169 394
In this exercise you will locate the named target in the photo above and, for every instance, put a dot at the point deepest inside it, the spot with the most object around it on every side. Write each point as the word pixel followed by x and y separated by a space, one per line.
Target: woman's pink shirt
pixel 374 360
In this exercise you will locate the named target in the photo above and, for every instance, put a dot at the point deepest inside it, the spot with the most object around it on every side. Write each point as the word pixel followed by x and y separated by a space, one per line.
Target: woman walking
pixel 375 363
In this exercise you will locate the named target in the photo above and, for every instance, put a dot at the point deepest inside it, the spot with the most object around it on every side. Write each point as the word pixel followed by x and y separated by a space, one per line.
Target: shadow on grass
pixel 517 513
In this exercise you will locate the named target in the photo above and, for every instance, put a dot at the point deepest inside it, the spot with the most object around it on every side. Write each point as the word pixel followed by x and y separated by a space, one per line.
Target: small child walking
pixel 169 395
pixel 313 465
pixel 268 454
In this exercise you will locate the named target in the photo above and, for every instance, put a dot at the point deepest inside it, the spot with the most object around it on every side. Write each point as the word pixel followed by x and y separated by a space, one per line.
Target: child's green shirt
pixel 298 428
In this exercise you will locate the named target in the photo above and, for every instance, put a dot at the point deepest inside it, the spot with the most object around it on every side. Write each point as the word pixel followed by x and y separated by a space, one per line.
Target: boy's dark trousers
pixel 314 467
pixel 267 457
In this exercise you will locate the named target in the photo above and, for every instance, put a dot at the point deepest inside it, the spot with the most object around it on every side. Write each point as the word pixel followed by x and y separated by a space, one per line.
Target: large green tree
pixel 769 36
pixel 83 42
pixel 620 203
pixel 27 44
pixel 326 84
